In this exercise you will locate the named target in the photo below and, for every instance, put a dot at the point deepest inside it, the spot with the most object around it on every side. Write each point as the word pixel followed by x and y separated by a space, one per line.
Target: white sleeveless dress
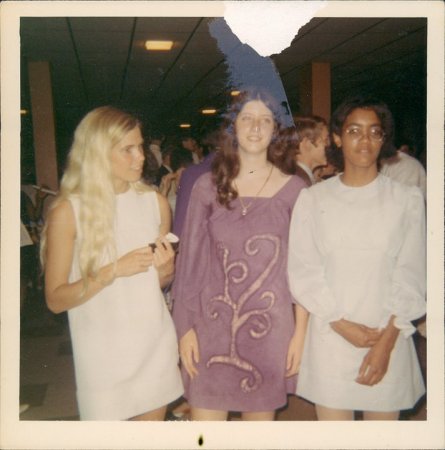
pixel 124 342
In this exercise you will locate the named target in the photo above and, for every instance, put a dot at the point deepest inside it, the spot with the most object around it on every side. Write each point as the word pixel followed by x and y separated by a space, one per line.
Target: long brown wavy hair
pixel 226 164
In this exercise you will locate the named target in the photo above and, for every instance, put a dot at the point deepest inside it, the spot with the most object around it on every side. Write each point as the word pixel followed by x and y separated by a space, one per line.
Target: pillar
pixel 44 134
pixel 314 87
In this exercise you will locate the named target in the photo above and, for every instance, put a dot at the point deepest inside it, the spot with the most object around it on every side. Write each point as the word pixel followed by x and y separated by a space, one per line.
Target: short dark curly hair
pixel 335 157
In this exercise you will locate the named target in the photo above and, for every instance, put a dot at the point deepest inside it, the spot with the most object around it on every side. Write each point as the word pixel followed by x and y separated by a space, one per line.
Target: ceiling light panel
pixel 153 45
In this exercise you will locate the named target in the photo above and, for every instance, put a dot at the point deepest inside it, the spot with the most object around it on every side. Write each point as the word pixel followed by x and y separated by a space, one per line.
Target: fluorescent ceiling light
pixel 158 45
pixel 209 111
pixel 184 125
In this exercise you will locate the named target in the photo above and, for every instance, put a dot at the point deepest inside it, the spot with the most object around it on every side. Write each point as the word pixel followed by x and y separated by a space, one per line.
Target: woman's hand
pixel 294 355
pixel 189 352
pixel 296 344
pixel 164 261
pixel 134 262
pixel 356 334
pixel 375 363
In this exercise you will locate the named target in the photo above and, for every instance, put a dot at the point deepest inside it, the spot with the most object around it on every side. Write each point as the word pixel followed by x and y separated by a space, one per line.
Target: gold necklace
pixel 244 207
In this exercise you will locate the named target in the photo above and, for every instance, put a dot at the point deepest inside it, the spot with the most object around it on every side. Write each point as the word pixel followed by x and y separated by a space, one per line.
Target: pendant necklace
pixel 255 170
pixel 245 207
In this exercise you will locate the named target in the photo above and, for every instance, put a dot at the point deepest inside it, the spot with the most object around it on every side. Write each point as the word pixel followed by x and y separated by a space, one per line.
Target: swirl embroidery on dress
pixel 260 323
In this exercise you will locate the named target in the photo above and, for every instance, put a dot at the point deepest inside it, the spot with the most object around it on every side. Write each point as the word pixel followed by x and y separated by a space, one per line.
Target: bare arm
pixel 375 363
pixel 166 215
pixel 297 342
pixel 61 295
pixel 355 333
pixel 166 183
pixel 189 352
pixel 164 255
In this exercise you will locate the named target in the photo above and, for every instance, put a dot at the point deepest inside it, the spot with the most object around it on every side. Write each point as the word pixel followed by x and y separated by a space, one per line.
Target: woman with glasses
pixel 357 264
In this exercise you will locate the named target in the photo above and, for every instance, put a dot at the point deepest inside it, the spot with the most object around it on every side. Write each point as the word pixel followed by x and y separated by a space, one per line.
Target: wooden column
pixel 43 124
pixel 314 86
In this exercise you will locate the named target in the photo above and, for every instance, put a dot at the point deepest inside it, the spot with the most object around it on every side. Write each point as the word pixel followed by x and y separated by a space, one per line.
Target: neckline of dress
pixel 272 196
pixel 368 186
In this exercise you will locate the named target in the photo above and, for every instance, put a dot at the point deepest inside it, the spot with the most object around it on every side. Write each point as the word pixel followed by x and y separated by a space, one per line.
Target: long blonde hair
pixel 88 177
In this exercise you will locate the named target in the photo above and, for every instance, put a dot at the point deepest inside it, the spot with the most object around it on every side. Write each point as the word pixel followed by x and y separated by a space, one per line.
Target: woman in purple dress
pixel 239 344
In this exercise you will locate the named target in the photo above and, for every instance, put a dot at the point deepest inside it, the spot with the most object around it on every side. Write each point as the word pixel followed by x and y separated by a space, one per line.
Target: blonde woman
pixel 100 268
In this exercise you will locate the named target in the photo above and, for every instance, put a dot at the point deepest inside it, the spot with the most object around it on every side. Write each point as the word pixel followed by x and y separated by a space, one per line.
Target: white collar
pixel 308 171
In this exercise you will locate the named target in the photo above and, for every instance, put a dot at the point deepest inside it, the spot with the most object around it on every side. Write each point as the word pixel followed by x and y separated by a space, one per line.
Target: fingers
pixel 369 376
pixel 195 353
pixel 367 337
pixel 189 367
pixel 293 359
pixel 190 356
pixel 134 262
pixel 143 258
pixel 292 366
pixel 163 252
pixel 163 244
pixel 363 368
pixel 189 352
pixel 369 373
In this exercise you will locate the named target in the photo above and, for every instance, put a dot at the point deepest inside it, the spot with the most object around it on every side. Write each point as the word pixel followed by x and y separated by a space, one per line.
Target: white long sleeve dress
pixel 358 253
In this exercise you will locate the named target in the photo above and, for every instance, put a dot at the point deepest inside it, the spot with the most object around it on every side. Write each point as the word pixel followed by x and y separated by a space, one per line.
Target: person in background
pixel 100 268
pixel 357 264
pixel 313 138
pixel 165 168
pixel 406 169
pixel 239 336
pixel 180 160
pixel 188 178
pixel 324 172
pixel 150 167
pixel 190 144
pixel 156 139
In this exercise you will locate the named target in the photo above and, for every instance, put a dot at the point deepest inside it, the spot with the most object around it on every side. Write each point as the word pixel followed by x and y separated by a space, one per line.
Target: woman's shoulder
pixel 297 181
pixel 205 180
pixel 323 187
pixel 142 188
pixel 63 206
pixel 399 191
pixel 63 213
pixel 292 186
pixel 204 186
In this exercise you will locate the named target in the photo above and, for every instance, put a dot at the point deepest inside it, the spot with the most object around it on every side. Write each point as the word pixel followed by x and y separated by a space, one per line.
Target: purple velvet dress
pixel 231 286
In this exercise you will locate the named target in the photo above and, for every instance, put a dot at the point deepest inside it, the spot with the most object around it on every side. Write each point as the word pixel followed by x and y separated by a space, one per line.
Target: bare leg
pixel 156 414
pixel 182 410
pixel 208 414
pixel 263 415
pixel 324 413
pixel 378 415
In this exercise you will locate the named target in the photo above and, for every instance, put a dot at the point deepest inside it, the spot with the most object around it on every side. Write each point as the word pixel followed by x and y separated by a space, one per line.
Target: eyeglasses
pixel 374 134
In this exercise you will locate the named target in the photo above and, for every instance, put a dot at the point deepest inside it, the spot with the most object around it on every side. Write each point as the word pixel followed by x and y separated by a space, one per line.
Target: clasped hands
pixel 380 343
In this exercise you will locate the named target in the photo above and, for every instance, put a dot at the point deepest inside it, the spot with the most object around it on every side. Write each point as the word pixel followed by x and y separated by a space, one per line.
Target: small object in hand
pixel 172 238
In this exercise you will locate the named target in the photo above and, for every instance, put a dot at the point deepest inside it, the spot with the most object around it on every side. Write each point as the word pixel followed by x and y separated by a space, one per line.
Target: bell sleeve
pixel 193 258
pixel 306 274
pixel 408 289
